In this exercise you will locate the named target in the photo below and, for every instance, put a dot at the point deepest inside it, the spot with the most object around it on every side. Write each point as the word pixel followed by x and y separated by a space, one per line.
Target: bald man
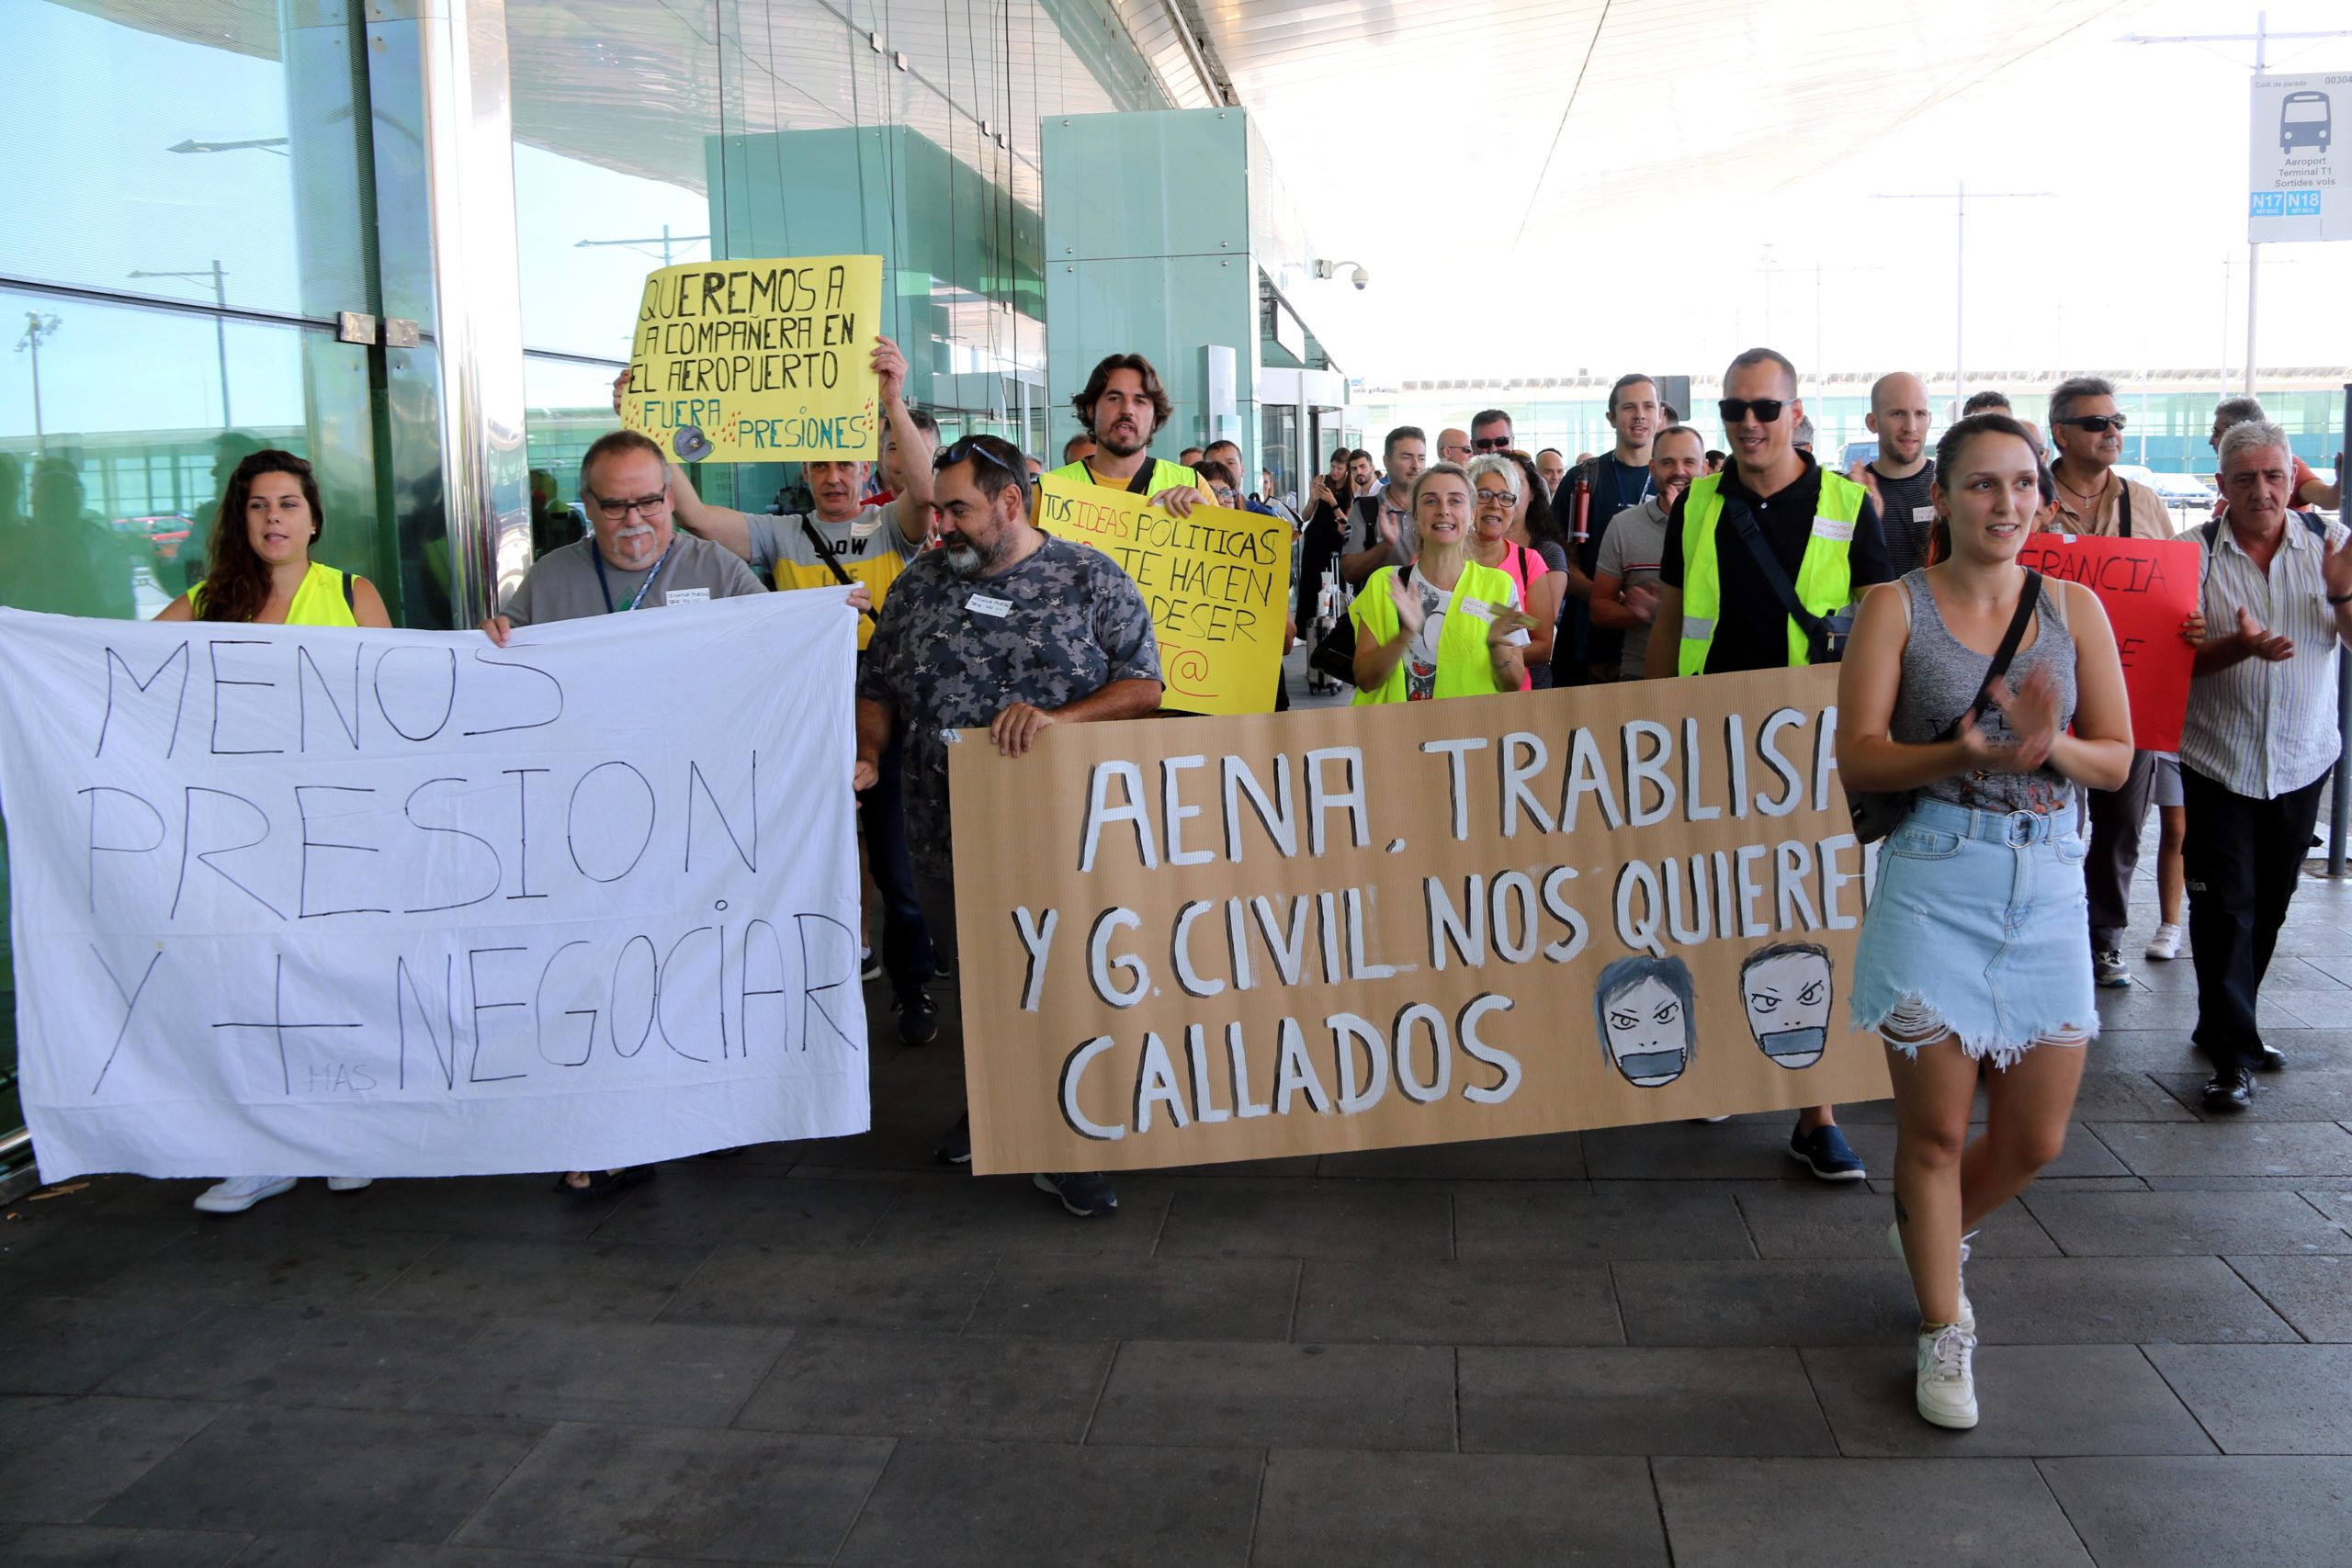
pixel 1453 447
pixel 1900 476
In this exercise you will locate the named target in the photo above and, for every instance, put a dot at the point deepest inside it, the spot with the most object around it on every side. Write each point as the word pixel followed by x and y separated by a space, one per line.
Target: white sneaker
pixel 1947 1383
pixel 348 1183
pixel 238 1193
pixel 1967 1308
pixel 2165 946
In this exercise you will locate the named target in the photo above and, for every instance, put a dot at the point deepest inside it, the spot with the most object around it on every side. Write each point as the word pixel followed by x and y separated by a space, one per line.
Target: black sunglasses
pixel 1734 409
pixel 2096 423
pixel 969 446
pixel 1492 443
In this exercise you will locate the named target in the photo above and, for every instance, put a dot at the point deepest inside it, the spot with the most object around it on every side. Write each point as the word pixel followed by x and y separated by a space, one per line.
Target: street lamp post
pixel 220 322
pixel 37 326
pixel 1957 197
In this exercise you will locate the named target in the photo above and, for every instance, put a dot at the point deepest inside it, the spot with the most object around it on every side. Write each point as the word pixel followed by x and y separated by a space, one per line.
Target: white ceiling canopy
pixel 1572 106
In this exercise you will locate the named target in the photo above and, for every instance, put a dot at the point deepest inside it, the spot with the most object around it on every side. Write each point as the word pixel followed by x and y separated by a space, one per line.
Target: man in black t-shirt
pixel 1787 493
pixel 1615 482
pixel 1902 475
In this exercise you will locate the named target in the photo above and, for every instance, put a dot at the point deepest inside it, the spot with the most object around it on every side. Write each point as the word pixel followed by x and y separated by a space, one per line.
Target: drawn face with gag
pixel 1784 989
pixel 1643 1008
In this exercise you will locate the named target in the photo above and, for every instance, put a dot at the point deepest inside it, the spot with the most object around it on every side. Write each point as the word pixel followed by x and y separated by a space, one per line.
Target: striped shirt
pixel 2258 729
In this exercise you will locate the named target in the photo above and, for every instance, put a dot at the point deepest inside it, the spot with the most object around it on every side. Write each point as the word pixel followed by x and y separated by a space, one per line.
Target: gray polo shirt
pixel 564 585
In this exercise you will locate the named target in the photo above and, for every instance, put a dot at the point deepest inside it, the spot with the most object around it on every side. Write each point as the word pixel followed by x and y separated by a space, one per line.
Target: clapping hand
pixel 1642 601
pixel 2261 642
pixel 1506 622
pixel 1410 614
pixel 2032 715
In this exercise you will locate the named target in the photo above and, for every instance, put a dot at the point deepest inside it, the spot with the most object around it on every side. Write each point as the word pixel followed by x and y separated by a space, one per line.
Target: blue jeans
pixel 906 941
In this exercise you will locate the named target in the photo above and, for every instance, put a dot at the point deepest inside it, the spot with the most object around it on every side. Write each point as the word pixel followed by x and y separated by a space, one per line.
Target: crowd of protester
pixel 1987 702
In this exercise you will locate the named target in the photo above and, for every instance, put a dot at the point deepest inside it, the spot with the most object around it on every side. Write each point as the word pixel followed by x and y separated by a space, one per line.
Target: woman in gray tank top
pixel 1973 948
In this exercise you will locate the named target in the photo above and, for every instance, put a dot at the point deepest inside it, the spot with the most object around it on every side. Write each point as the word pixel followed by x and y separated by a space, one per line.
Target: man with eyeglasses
pixel 1489 432
pixel 1381 531
pixel 1007 629
pixel 1453 447
pixel 844 537
pixel 1620 481
pixel 2093 499
pixel 1719 608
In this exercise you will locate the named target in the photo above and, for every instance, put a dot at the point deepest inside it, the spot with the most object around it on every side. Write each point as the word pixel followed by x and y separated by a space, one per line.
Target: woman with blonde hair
pixel 1443 626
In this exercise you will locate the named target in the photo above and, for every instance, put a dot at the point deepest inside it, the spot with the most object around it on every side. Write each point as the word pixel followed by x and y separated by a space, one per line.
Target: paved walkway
pixel 1642 1345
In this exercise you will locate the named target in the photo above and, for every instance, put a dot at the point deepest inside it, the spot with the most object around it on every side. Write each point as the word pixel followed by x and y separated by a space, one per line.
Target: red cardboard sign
pixel 2149 587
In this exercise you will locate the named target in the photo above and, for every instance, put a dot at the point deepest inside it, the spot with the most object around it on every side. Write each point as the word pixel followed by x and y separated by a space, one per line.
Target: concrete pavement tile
pixel 493 1277
pixel 225 1264
pixel 2068 1300
pixel 869 1289
pixel 1008 1214
pixel 2084 1155
pixel 2336 1205
pixel 2035 1399
pixel 948 1505
pixel 484 1205
pixel 1629 1221
pixel 1280 1218
pixel 654 1374
pixel 1821 1225
pixel 2266 1399
pixel 2312 1293
pixel 335 1357
pixel 1893 1513
pixel 931 1386
pixel 689 1210
pixel 2240 1148
pixel 87 1546
pixel 1638 1400
pixel 1764 1302
pixel 1376 1510
pixel 370 1474
pixel 2193 1513
pixel 1207 1395
pixel 2126 1097
pixel 61 1460
pixel 673 1491
pixel 1683 1151
pixel 1495 1301
pixel 66 1345
pixel 1547 1157
pixel 1153 1298
pixel 2123 1224
pixel 62 1254
pixel 325 1551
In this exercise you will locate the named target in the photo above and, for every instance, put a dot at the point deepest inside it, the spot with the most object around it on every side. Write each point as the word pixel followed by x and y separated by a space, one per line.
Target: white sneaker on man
pixel 238 1193
pixel 2165 946
pixel 348 1183
pixel 1947 1381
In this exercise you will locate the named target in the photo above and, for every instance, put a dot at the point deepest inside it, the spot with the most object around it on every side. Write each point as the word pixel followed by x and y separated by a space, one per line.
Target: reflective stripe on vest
pixel 1824 582
pixel 1464 668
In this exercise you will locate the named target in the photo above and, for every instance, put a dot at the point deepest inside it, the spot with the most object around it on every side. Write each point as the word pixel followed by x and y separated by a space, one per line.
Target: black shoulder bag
pixel 826 553
pixel 1335 655
pixel 1877 812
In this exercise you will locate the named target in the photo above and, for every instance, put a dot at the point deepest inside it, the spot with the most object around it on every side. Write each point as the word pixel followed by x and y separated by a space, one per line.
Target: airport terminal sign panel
pixel 2301 178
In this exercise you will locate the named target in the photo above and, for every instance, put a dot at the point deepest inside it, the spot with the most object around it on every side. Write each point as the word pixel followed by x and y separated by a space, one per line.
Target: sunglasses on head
pixel 969 446
pixel 2096 423
pixel 1766 410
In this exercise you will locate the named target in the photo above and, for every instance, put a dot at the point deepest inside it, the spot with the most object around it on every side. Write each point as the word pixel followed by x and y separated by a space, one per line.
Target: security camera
pixel 1360 277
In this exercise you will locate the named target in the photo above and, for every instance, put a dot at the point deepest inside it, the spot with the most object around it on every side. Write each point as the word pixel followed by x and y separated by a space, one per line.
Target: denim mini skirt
pixel 1979 928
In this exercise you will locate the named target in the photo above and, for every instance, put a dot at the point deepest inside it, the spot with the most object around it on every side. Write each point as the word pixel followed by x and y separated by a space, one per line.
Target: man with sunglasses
pixel 1453 447
pixel 845 536
pixel 1489 432
pixel 2093 499
pixel 1719 609
pixel 1006 628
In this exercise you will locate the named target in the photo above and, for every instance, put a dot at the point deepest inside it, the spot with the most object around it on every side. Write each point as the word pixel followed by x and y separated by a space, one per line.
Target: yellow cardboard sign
pixel 759 361
pixel 1217 584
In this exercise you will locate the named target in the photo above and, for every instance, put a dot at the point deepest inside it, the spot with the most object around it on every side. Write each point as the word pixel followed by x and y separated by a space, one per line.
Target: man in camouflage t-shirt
pixel 1006 627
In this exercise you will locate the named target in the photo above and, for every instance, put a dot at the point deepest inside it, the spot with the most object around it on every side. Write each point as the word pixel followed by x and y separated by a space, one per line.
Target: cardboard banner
pixel 297 900
pixel 1200 940
pixel 2149 587
pixel 759 361
pixel 1217 583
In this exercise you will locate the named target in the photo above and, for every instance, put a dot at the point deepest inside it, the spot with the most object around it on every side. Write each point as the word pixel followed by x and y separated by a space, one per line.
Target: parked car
pixel 164 531
pixel 2184 491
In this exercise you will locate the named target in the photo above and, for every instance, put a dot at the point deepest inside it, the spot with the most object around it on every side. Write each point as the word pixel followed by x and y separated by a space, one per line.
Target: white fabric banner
pixel 297 900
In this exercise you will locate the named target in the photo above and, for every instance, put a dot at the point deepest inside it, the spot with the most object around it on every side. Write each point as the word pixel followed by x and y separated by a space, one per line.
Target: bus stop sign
pixel 2302 183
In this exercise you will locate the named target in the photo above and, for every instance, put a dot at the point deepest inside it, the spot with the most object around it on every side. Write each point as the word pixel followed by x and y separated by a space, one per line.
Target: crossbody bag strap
pixel 825 553
pixel 1743 522
pixel 2028 599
